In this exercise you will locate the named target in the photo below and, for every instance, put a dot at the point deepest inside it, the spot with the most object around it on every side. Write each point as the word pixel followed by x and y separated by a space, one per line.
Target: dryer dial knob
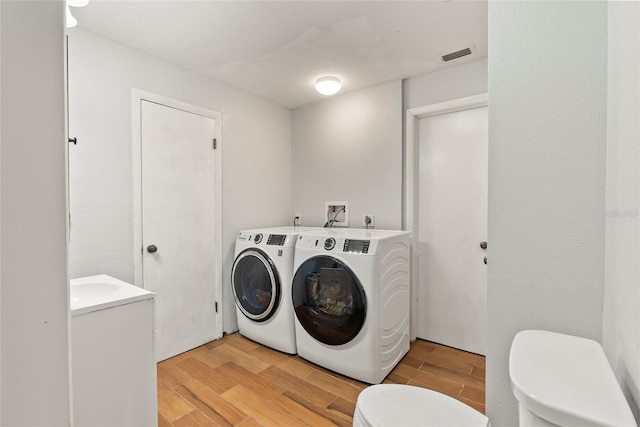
pixel 258 238
pixel 330 243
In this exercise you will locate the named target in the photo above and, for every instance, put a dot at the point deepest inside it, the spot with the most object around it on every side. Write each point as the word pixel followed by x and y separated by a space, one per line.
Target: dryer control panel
pixel 261 239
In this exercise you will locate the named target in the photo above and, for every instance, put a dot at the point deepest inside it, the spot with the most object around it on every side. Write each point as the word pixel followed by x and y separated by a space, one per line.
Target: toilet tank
pixel 562 380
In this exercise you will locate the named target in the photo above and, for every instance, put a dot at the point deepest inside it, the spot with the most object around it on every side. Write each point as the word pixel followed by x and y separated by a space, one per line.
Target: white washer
pixel 351 300
pixel 261 283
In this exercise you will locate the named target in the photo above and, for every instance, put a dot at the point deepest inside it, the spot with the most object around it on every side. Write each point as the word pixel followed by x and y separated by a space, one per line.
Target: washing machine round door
pixel 329 300
pixel 256 286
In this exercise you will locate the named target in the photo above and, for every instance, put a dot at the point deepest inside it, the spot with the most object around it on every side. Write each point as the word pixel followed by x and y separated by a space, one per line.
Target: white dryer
pixel 261 281
pixel 351 300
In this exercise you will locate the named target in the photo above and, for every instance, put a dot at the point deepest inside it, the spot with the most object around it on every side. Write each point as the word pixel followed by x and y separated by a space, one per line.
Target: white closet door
pixel 452 223
pixel 178 218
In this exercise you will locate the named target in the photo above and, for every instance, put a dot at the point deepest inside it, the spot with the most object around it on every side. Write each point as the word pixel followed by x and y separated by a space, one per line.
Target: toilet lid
pixel 404 405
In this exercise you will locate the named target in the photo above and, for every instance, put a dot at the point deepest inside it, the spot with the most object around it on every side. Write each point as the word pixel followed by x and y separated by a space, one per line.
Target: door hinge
pixel 215 143
pixel 216 303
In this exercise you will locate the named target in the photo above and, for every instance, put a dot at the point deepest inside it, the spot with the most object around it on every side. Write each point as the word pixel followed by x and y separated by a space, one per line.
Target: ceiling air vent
pixel 455 55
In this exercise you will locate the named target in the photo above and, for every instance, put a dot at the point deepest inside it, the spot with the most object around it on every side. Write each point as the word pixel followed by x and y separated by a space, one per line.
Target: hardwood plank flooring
pixel 237 382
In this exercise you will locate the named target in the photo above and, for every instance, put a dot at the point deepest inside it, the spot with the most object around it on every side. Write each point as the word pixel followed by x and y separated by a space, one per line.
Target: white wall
pixel 0 213
pixel 453 82
pixel 256 144
pixel 33 262
pixel 621 334
pixel 349 148
pixel 547 138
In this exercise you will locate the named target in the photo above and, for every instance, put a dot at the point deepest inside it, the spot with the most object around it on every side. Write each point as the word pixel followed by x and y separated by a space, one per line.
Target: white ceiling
pixel 277 49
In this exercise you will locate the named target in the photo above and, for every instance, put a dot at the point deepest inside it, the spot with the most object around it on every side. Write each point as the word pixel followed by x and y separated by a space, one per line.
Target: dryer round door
pixel 329 300
pixel 256 286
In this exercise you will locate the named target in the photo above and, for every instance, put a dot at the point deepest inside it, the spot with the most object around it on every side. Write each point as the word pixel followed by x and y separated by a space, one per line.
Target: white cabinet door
pixel 452 222
pixel 178 218
pixel 113 366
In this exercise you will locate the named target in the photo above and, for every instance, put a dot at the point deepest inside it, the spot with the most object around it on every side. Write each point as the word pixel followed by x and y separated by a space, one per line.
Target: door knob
pixel 483 245
pixel 152 249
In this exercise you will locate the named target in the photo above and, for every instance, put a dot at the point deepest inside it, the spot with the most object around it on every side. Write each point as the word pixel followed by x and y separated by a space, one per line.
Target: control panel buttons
pixel 330 243
pixel 258 238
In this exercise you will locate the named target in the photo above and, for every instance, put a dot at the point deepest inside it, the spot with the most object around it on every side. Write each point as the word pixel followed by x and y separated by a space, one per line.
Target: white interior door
pixel 452 223
pixel 178 174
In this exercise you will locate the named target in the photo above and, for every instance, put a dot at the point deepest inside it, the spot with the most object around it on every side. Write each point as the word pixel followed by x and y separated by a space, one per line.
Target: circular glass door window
pixel 329 300
pixel 256 286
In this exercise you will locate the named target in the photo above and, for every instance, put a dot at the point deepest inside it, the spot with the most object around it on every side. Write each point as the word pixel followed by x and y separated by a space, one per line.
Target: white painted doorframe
pixel 137 96
pixel 411 179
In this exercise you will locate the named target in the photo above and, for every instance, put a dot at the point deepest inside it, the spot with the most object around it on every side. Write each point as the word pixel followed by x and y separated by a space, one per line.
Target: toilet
pixel 408 406
pixel 558 380
pixel 565 380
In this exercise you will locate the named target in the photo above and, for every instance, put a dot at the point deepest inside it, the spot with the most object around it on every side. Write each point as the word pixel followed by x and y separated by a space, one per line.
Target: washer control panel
pixel 338 244
pixel 276 239
pixel 357 246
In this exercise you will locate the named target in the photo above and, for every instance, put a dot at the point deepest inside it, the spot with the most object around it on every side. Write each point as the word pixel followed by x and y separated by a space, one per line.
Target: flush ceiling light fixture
pixel 71 21
pixel 328 85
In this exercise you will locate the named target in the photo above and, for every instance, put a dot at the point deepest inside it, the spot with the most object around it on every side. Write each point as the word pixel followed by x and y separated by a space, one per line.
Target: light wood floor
pixel 235 381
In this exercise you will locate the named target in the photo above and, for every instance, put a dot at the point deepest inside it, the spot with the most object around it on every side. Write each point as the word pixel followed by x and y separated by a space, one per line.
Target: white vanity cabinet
pixel 112 350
